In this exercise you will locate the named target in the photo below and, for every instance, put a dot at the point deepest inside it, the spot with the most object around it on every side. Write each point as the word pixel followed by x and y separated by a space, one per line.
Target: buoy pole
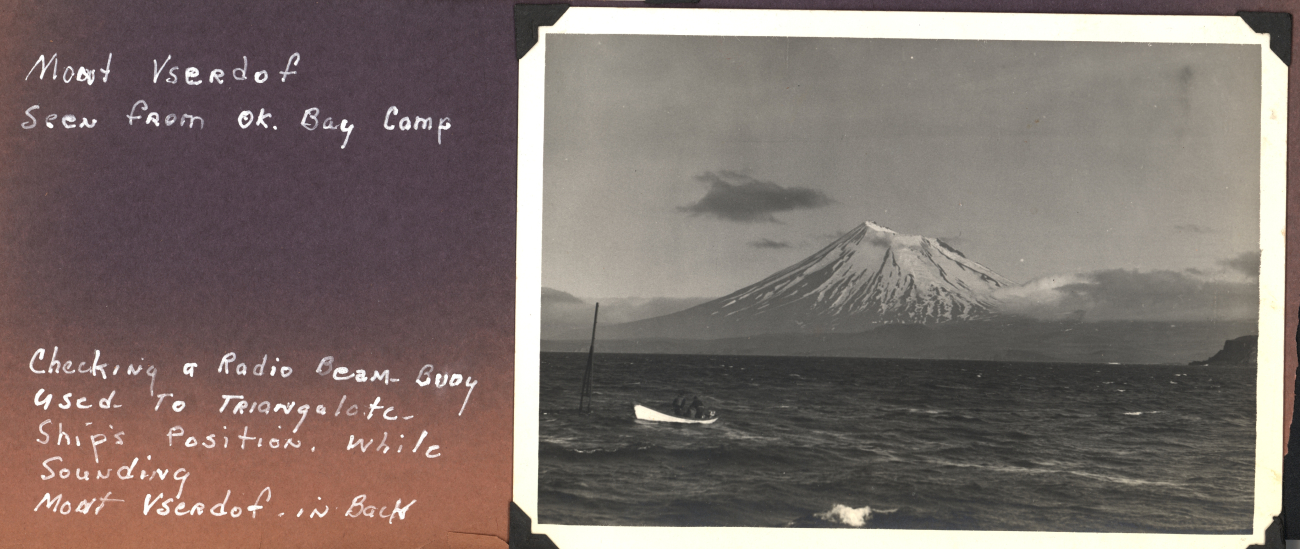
pixel 585 397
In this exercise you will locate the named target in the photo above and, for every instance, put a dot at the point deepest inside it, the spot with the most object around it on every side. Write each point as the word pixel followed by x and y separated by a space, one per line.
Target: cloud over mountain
pixel 1121 294
pixel 1247 263
pixel 737 197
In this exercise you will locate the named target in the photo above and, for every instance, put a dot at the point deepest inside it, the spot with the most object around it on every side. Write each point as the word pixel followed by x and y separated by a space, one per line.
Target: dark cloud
pixel 1246 263
pixel 769 243
pixel 737 197
pixel 1193 228
pixel 1120 294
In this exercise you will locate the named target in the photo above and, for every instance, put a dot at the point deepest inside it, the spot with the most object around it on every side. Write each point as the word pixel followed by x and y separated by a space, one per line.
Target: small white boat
pixel 648 414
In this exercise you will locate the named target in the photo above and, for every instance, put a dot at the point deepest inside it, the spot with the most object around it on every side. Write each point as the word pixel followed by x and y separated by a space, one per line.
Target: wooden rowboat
pixel 648 414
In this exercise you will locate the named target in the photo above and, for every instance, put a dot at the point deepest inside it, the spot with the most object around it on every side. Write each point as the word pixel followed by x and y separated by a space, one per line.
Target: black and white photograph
pixel 899 277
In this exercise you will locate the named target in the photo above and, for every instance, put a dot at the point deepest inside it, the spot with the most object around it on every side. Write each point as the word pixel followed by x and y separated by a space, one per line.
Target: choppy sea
pixel 904 444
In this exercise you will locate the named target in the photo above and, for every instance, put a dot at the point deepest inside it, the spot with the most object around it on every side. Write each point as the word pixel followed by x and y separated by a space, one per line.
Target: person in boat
pixel 680 403
pixel 696 409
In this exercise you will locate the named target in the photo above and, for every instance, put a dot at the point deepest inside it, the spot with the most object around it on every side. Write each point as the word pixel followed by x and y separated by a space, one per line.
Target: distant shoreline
pixel 1126 342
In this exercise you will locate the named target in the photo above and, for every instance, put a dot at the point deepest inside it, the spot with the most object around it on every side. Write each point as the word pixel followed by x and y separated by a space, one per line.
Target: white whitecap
pixel 844 514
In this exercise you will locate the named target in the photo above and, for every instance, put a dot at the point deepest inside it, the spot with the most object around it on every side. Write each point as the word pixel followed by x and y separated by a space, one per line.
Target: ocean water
pixel 903 444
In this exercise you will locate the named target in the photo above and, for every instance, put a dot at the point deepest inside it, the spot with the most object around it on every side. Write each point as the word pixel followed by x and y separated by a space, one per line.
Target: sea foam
pixel 844 514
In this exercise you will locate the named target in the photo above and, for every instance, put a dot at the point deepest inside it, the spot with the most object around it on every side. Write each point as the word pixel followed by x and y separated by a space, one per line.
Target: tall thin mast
pixel 586 377
pixel 585 397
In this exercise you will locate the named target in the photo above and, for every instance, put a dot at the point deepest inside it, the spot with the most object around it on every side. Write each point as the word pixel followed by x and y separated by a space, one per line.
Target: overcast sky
pixel 693 166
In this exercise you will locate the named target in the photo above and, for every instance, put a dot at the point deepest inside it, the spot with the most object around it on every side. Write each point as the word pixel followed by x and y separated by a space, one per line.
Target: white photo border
pixel 909 25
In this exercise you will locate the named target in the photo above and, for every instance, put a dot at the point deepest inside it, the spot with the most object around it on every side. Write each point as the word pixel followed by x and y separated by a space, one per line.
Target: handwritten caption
pixel 166 72
pixel 93 464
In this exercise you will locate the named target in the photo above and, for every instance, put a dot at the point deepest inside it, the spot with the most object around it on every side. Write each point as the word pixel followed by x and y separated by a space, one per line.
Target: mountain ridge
pixel 1007 338
pixel 869 276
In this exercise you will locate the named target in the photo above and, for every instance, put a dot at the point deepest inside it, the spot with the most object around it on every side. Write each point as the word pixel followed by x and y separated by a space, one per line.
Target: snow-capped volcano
pixel 869 276
pixel 876 272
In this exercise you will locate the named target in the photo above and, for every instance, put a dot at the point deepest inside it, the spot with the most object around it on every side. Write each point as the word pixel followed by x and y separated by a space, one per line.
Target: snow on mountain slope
pixel 877 272
pixel 869 276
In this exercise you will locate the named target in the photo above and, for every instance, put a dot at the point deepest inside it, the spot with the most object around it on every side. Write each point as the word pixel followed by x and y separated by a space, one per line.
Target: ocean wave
pixel 1047 468
pixel 846 515
pixel 1119 479
pixel 553 448
pixel 653 455
pixel 608 450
